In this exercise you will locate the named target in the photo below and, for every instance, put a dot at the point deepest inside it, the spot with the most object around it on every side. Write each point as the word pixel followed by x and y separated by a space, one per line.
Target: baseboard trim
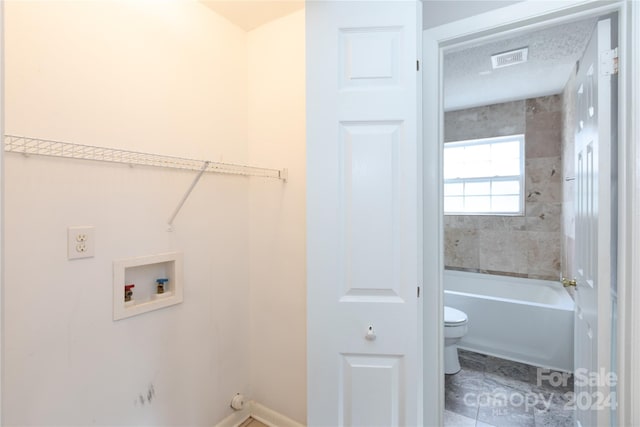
pixel 236 418
pixel 270 417
pixel 261 413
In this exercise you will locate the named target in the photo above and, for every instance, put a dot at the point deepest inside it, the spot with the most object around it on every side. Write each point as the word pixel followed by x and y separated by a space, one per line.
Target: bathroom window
pixel 484 176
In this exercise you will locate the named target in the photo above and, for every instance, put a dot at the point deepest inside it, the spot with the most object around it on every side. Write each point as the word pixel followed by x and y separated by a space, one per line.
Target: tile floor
pixel 489 391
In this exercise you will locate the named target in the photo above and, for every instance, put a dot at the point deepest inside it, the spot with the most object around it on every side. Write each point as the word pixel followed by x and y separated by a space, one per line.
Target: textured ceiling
pixel 469 80
pixel 250 14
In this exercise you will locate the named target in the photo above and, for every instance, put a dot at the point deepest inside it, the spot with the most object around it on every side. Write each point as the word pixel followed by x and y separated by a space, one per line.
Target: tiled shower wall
pixel 525 246
pixel 568 167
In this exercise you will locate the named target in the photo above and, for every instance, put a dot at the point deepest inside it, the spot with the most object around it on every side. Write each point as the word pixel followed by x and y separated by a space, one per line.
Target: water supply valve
pixel 128 292
pixel 161 285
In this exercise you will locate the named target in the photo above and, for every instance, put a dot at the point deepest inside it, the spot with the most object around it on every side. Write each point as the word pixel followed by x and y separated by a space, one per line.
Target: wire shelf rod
pixel 44 147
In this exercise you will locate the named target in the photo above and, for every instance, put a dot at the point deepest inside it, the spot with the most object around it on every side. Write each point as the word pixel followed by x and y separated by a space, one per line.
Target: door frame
pixel 2 180
pixel 530 15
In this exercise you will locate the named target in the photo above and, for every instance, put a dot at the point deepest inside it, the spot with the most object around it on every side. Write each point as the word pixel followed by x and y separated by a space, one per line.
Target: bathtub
pixel 524 320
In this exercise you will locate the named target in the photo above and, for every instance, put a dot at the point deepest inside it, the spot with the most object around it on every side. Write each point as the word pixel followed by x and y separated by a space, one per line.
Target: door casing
pixel 527 16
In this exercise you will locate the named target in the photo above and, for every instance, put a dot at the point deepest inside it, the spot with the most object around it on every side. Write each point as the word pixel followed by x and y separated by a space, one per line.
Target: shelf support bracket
pixel 186 195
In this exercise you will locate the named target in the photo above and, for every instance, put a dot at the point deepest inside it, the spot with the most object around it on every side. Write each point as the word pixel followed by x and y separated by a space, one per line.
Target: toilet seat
pixel 453 317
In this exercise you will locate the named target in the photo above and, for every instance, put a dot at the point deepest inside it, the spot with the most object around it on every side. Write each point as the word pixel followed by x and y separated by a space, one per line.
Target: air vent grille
pixel 512 57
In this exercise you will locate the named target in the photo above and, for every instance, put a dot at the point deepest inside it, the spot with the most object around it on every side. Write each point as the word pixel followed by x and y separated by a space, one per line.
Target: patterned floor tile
pixel 496 392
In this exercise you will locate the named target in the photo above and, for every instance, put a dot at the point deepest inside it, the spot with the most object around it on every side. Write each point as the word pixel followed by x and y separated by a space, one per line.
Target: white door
pixel 594 256
pixel 362 213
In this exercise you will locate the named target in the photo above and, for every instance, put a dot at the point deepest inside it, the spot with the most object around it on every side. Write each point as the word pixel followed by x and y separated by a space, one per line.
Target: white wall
pixel 440 12
pixel 276 63
pixel 167 77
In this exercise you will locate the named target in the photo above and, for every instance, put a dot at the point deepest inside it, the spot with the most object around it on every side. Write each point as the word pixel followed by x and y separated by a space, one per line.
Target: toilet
pixel 455 327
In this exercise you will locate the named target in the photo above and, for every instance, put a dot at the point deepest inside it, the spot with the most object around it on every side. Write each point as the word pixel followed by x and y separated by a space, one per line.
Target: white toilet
pixel 455 327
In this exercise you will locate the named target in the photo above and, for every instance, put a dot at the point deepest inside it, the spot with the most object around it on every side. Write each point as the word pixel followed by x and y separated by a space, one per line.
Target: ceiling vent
pixel 512 57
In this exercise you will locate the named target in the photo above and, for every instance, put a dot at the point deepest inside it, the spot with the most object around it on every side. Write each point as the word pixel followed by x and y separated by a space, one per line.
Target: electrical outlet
pixel 80 242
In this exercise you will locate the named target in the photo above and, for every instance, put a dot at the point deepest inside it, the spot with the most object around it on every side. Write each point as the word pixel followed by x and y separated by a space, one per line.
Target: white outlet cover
pixel 81 242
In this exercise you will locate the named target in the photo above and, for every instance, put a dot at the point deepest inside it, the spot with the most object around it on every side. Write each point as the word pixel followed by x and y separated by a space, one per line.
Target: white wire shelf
pixel 44 147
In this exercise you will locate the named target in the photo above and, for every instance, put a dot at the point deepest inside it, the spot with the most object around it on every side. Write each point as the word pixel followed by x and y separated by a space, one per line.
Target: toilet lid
pixel 453 316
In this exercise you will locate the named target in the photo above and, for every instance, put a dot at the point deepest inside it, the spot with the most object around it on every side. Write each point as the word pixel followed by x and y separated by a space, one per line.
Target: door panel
pixel 369 56
pixel 372 390
pixel 593 157
pixel 370 199
pixel 362 213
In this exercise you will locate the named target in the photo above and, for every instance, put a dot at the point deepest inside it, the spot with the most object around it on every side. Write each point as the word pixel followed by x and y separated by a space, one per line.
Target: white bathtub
pixel 524 320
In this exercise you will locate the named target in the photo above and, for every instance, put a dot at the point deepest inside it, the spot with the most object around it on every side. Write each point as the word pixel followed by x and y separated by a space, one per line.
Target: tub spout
pixel 566 282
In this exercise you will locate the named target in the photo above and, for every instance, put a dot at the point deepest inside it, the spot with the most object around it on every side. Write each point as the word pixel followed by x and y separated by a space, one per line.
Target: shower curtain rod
pixel 44 147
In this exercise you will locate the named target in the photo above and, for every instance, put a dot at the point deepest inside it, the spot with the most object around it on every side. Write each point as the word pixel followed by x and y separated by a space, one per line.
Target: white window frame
pixel 521 178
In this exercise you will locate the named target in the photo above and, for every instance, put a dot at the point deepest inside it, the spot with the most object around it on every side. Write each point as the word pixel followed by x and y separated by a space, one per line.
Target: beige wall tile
pixel 544 104
pixel 505 251
pixel 461 248
pixel 543 180
pixel 568 254
pixel 517 245
pixel 568 187
pixel 513 223
pixel 544 254
pixel 485 122
pixel 543 136
pixel 544 217
pixel 460 221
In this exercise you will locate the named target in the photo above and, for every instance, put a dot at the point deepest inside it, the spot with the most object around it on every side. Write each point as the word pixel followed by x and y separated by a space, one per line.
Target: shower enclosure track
pixel 44 147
